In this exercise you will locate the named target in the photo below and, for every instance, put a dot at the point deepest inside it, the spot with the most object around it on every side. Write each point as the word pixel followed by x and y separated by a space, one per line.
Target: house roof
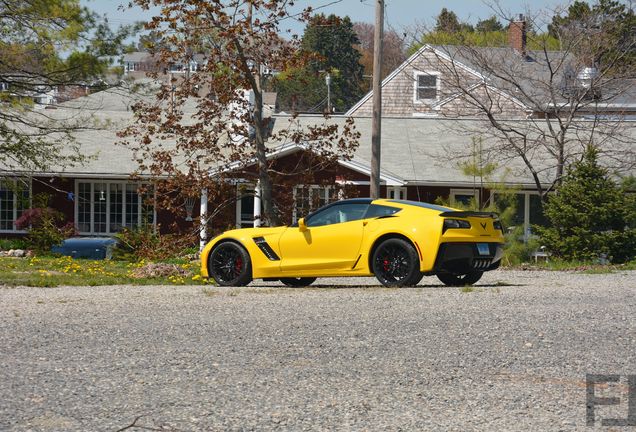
pixel 418 151
pixel 522 78
pixel 414 150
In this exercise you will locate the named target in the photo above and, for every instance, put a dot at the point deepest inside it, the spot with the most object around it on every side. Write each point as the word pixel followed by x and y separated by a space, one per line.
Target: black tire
pixel 229 264
pixel 396 263
pixel 298 282
pixel 460 280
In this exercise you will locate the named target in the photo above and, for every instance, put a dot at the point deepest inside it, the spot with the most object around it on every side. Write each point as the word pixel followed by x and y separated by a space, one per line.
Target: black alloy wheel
pixel 460 280
pixel 298 282
pixel 230 265
pixel 396 263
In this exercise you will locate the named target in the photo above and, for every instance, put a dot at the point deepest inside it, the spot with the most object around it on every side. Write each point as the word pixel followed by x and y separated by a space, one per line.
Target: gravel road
pixel 345 355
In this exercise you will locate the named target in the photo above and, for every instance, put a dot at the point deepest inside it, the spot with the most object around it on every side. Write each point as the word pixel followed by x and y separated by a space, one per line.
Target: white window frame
pixel 93 182
pixel 239 206
pixel 15 206
pixel 526 209
pixel 438 86
pixel 312 189
pixel 399 192
pixel 473 192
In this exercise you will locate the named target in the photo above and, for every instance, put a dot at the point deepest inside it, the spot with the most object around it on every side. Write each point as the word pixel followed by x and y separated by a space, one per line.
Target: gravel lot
pixel 345 355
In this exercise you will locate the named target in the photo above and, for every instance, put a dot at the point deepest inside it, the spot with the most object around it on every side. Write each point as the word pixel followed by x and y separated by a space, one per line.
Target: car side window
pixel 376 210
pixel 339 213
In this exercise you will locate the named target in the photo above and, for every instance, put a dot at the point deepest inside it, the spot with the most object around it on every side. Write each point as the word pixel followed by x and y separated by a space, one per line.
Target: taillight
pixel 498 226
pixel 455 224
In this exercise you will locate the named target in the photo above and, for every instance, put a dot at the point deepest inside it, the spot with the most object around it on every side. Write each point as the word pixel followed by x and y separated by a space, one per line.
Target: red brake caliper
pixel 385 264
pixel 238 264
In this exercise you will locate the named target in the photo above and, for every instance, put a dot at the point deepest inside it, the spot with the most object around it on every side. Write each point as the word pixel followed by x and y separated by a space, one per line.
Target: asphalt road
pixel 513 354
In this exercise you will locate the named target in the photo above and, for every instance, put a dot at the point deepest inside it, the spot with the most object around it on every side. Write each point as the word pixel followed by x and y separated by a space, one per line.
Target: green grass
pixel 48 271
pixel 584 267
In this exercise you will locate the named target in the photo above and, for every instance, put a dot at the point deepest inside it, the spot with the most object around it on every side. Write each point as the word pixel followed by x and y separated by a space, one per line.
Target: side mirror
pixel 301 224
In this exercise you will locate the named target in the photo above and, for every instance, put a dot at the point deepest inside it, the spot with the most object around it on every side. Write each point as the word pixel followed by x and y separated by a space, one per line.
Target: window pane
pixel 6 206
pixel 465 199
pixel 426 93
pixel 376 210
pixel 84 207
pixel 247 206
pixel 301 205
pixel 132 206
pixel 147 207
pixel 99 208
pixel 536 211
pixel 116 197
pixel 427 80
pixel 339 213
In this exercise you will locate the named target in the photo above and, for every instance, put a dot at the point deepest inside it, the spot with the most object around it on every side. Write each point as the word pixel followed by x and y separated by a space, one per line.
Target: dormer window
pixel 427 86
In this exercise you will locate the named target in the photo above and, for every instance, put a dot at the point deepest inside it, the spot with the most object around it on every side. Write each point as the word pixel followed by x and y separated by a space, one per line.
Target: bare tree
pixel 393 51
pixel 541 107
pixel 214 118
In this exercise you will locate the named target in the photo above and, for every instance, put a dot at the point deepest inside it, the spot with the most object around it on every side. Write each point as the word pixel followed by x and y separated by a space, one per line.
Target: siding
pixel 398 94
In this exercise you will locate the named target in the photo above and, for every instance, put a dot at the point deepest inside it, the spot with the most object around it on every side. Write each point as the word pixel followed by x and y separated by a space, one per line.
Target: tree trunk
pixel 268 214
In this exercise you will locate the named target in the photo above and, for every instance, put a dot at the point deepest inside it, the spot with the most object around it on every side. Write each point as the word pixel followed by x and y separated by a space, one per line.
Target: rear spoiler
pixel 465 214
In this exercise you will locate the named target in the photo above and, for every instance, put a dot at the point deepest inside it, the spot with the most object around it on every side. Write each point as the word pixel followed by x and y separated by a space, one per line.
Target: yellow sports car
pixel 397 241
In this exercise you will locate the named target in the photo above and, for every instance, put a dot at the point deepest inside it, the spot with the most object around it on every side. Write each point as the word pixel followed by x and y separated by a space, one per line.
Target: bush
pixel 46 226
pixel 516 250
pixel 13 243
pixel 590 216
pixel 145 243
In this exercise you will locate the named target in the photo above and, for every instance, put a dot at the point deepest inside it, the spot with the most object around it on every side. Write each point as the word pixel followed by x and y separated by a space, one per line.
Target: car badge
pixel 483 225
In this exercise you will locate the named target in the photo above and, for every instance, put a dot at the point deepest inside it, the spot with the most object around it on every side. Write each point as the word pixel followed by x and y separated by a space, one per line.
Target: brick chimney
pixel 517 35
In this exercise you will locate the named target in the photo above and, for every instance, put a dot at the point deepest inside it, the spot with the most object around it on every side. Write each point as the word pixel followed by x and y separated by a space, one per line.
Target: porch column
pixel 204 219
pixel 257 204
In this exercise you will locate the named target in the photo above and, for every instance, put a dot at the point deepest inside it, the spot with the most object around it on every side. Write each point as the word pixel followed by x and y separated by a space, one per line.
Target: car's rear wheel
pixel 395 263
pixel 460 280
pixel 229 264
pixel 298 282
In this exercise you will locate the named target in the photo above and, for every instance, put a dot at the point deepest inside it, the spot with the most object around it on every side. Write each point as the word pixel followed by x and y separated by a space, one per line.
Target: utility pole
pixel 377 99
pixel 328 82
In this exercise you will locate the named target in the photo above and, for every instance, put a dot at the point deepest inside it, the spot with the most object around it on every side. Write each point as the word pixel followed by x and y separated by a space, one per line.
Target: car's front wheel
pixel 395 263
pixel 298 282
pixel 229 264
pixel 460 280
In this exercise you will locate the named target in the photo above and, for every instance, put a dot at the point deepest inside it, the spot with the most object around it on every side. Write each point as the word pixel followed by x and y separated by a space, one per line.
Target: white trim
pixel 247 186
pixel 108 232
pixel 526 208
pixel 312 188
pixel 385 178
pixel 399 192
pixel 438 86
pixel 469 192
pixel 14 230
pixel 408 61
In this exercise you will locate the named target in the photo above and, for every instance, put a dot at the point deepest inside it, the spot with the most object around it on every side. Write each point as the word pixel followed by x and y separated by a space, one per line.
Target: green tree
pixel 609 23
pixel 33 33
pixel 590 215
pixel 491 24
pixel 447 22
pixel 331 41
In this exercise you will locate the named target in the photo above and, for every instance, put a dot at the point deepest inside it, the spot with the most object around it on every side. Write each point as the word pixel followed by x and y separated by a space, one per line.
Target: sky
pixel 400 15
